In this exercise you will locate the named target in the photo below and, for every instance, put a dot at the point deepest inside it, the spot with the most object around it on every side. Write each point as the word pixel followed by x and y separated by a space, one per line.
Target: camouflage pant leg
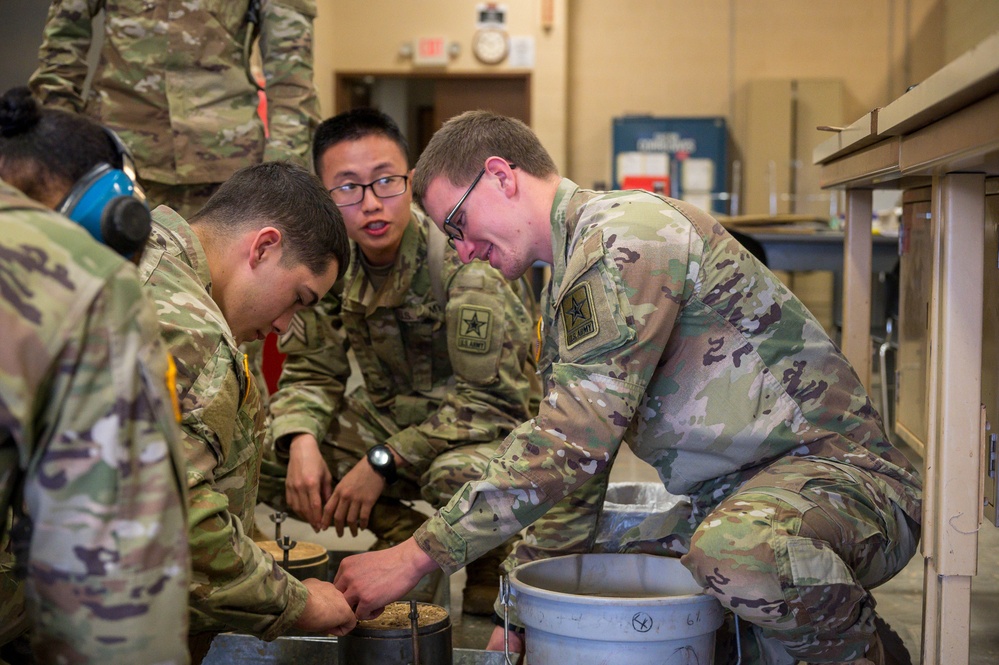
pixel 452 469
pixel 185 199
pixel 796 550
pixel 360 426
pixel 13 616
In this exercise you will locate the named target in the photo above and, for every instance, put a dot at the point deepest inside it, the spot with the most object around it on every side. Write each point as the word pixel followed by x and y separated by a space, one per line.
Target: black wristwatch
pixel 381 460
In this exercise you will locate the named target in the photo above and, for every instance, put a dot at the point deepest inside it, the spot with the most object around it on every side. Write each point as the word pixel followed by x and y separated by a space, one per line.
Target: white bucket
pixel 632 609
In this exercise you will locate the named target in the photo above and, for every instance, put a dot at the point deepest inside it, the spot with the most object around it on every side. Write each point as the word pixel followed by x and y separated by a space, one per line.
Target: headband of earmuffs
pixel 109 203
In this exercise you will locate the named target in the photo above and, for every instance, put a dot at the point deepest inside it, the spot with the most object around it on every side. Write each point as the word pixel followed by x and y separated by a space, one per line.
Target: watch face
pixel 490 46
pixel 380 456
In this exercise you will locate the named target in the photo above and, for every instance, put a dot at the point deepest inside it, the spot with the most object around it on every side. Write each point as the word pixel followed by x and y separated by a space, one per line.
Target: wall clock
pixel 491 45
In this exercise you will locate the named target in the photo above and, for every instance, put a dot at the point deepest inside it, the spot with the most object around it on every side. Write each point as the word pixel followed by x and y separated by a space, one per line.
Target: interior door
pixel 508 95
pixel 421 101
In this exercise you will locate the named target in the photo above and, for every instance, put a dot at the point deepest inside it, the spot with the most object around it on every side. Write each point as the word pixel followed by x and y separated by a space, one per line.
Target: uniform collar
pixel 411 254
pixel 175 236
pixel 563 228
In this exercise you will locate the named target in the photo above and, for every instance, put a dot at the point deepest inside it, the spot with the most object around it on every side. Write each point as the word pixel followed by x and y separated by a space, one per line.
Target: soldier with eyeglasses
pixel 445 351
pixel 661 332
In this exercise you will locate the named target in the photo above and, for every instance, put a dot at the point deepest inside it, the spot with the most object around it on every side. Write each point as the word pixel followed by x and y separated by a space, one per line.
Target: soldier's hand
pixel 326 610
pixel 354 497
pixel 309 483
pixel 496 641
pixel 372 580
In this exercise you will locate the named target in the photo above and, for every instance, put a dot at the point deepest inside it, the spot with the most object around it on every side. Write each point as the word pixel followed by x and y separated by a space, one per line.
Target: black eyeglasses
pixel 453 231
pixel 386 187
pixel 450 228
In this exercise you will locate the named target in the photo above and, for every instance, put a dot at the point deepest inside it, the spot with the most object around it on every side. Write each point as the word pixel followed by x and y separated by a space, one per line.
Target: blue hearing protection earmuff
pixel 109 203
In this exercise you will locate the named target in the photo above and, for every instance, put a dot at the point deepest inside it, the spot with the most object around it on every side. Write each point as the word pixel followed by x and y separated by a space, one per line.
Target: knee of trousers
pixel 449 471
pixel 758 554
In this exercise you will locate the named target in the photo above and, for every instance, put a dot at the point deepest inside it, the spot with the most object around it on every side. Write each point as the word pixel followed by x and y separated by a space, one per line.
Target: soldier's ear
pixel 266 245
pixel 504 174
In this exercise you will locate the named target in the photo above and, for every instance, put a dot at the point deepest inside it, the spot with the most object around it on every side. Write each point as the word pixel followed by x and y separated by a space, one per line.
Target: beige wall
pixel 665 57
pixel 673 57
pixel 365 36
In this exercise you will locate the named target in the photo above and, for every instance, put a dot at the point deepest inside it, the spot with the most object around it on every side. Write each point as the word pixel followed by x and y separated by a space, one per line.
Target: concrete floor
pixel 899 601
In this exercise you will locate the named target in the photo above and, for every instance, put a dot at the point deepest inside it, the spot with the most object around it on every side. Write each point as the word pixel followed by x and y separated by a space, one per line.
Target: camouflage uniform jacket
pixel 171 81
pixel 234 582
pixel 88 436
pixel 662 331
pixel 449 375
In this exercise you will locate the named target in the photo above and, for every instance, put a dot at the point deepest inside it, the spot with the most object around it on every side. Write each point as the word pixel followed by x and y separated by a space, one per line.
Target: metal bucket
pixel 388 640
pixel 305 560
pixel 631 609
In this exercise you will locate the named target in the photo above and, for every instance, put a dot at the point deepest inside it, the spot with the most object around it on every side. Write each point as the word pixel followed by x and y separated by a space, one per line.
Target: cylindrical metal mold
pixel 386 642
pixel 627 609
pixel 305 560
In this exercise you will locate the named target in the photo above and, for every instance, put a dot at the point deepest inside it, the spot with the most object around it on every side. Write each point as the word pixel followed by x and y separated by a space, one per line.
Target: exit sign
pixel 431 51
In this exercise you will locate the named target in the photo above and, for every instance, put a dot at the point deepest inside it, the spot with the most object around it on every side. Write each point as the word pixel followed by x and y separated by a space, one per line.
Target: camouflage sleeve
pixel 108 563
pixel 610 339
pixel 315 372
pixel 62 57
pixel 234 581
pixel 490 334
pixel 286 43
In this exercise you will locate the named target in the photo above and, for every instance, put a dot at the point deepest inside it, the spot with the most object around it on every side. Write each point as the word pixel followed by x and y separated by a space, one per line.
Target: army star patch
pixel 577 316
pixel 474 329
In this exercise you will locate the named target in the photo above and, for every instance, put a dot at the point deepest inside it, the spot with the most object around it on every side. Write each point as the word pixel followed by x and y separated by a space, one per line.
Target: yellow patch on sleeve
pixel 171 383
pixel 539 342
pixel 249 376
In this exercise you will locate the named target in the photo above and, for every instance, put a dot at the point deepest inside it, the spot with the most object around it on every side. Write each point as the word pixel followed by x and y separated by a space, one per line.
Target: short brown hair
pixel 461 146
pixel 288 197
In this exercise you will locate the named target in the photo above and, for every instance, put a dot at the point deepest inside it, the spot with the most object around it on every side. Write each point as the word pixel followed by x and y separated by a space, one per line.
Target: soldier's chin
pixel 248 336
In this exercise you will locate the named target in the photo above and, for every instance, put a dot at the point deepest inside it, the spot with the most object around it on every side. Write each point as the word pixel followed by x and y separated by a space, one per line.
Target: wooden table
pixel 943 133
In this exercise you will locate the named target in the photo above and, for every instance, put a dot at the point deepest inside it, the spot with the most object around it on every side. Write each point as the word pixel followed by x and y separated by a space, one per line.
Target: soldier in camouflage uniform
pixel 445 351
pixel 661 331
pixel 173 82
pixel 268 243
pixel 90 451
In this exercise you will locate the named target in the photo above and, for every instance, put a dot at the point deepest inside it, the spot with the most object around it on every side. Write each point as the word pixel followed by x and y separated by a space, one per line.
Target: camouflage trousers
pixel 795 552
pixel 568 528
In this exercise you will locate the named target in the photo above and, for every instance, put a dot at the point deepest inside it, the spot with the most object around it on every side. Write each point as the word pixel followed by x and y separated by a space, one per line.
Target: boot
pixel 482 584
pixel 892 648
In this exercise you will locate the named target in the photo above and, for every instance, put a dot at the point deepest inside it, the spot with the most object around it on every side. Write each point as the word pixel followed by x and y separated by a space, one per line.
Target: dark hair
pixel 289 198
pixel 41 148
pixel 463 144
pixel 353 126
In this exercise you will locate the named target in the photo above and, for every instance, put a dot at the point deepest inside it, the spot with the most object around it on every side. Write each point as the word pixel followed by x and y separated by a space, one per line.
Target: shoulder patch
pixel 578 318
pixel 474 329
